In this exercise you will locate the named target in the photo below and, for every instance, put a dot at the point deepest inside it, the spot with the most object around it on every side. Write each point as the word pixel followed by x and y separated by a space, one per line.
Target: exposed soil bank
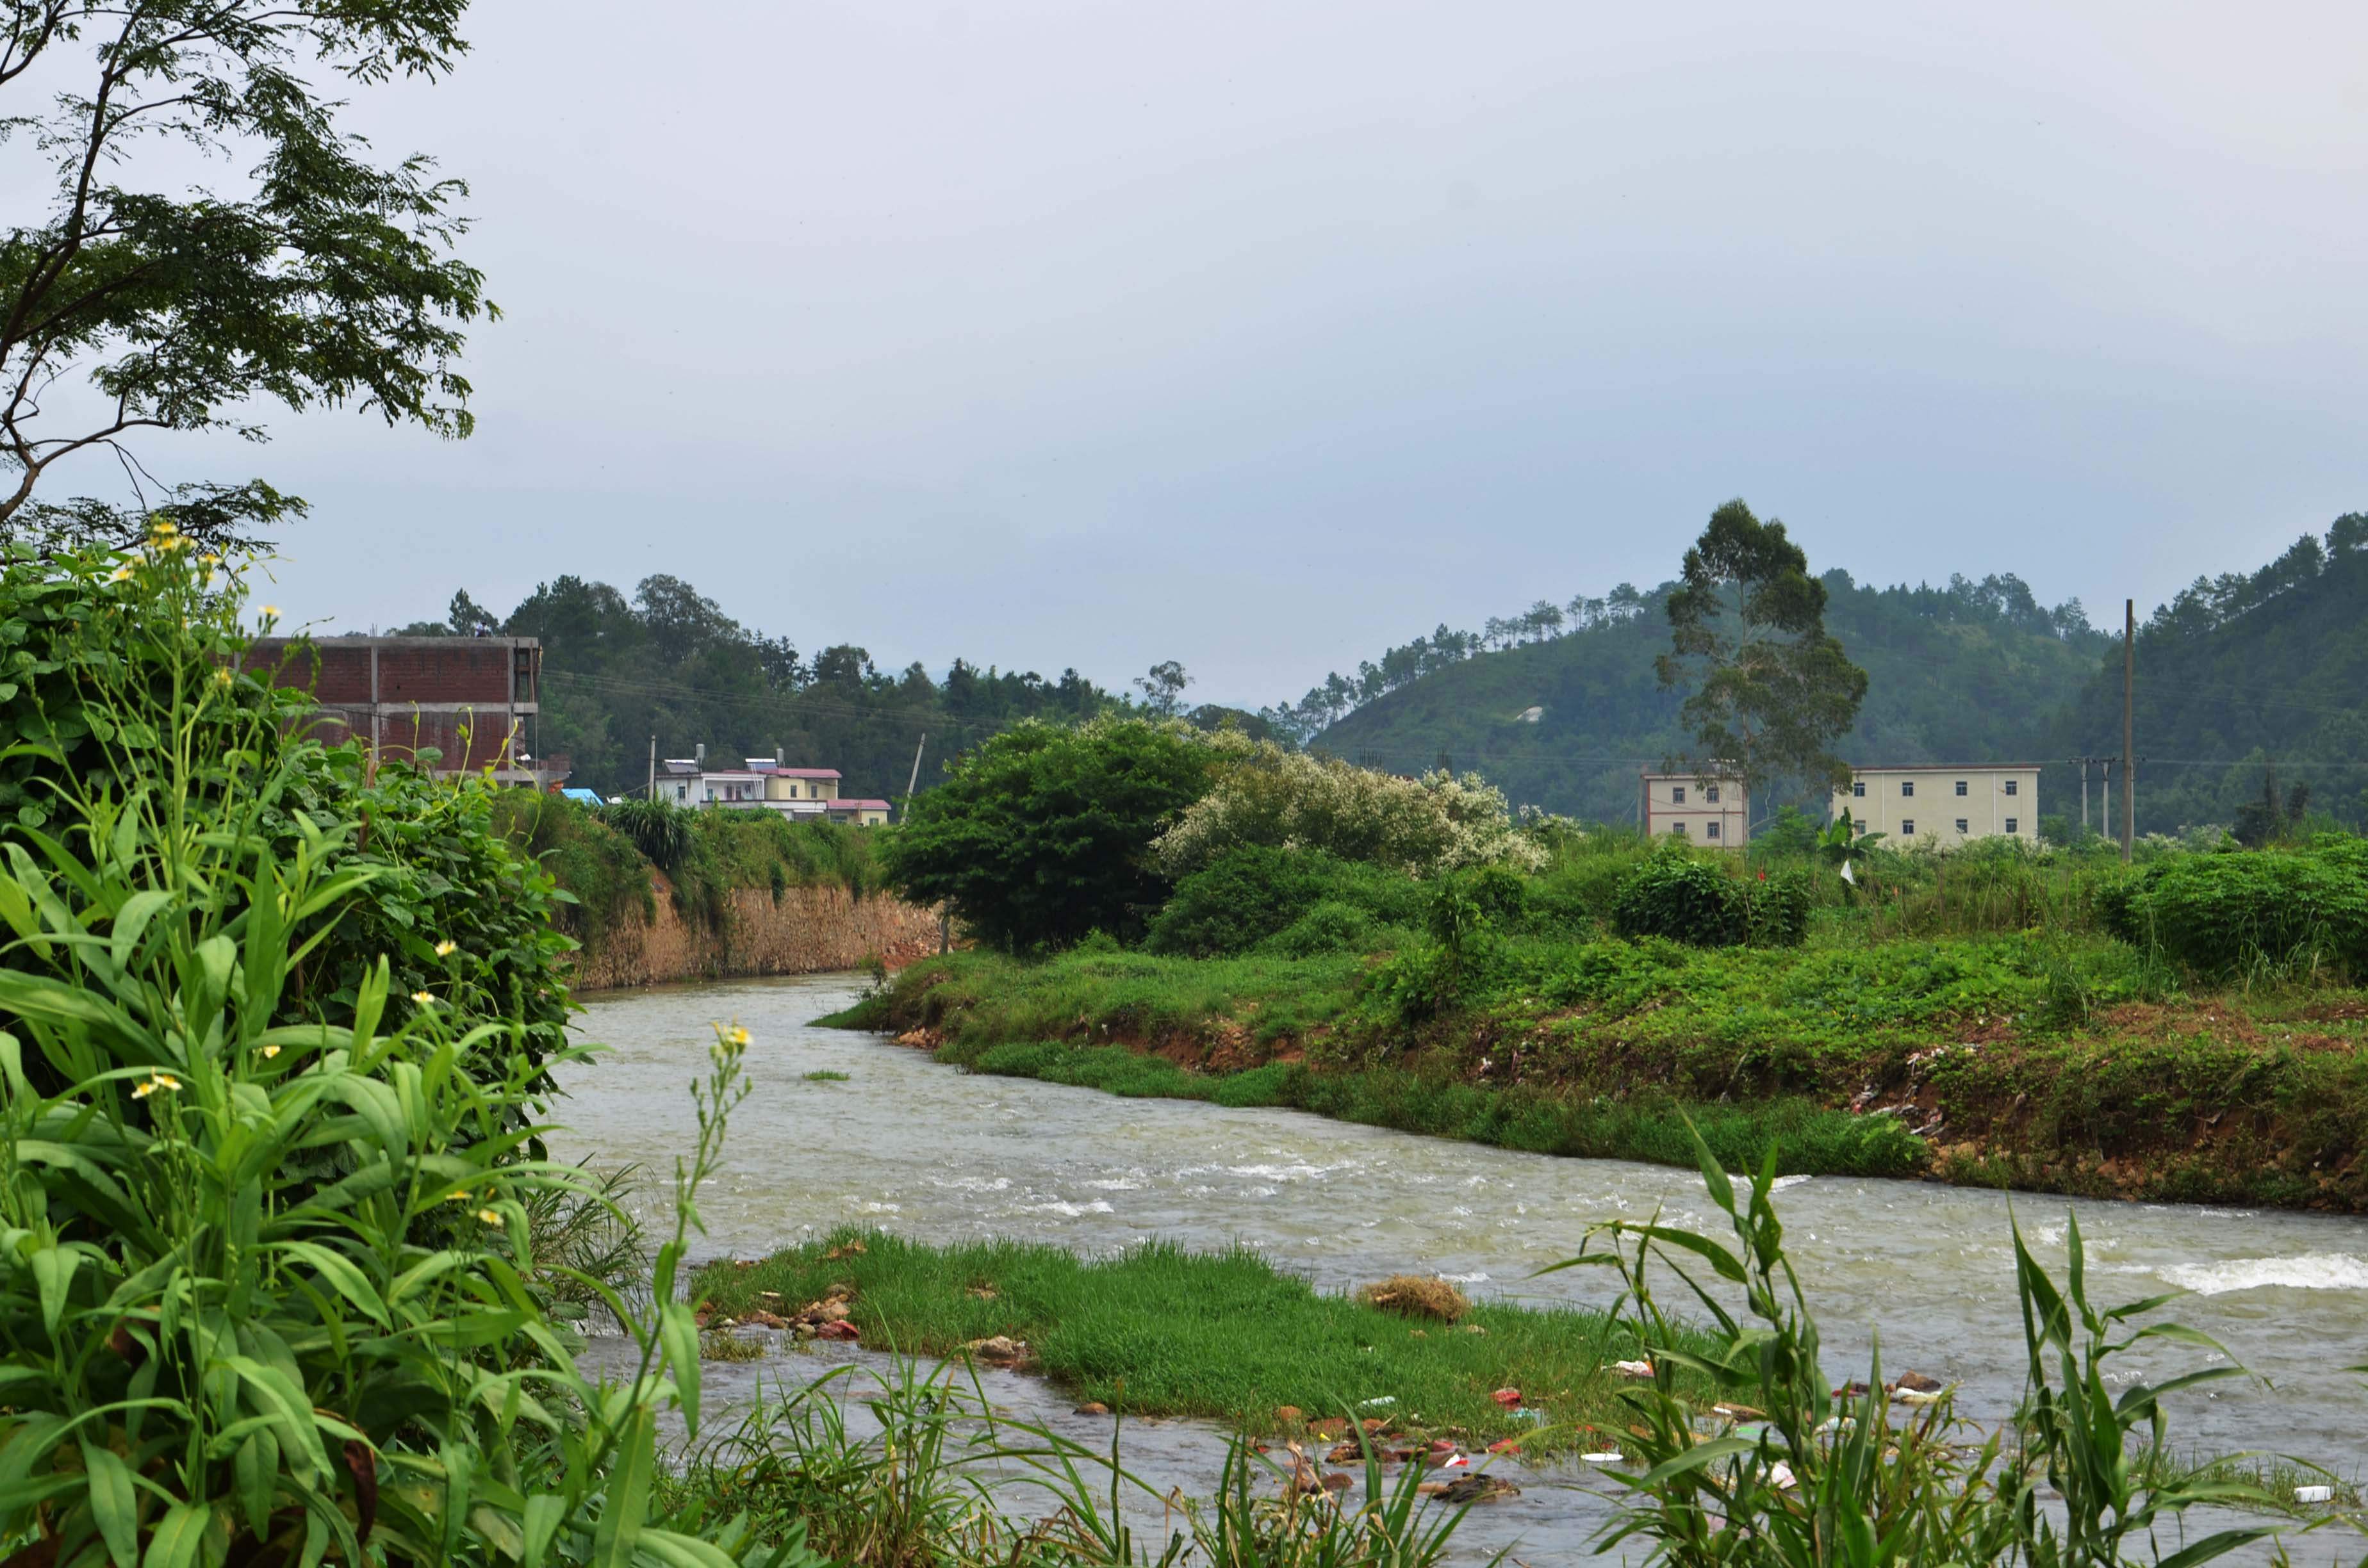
pixel 796 930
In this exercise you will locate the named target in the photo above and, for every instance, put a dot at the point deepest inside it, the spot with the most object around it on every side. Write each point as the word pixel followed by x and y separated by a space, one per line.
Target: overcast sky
pixel 1262 335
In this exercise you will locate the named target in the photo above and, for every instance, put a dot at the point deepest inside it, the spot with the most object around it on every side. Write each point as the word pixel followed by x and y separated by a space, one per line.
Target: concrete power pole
pixel 2129 727
pixel 2084 797
pixel 915 782
pixel 653 767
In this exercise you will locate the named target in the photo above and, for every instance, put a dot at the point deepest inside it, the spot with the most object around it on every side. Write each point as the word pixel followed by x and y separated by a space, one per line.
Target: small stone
pixel 765 1320
pixel 1338 1481
pixel 1917 1383
pixel 838 1328
pixel 1288 1414
pixel 1096 1408
pixel 1001 1350
pixel 1639 1370
pixel 1477 1488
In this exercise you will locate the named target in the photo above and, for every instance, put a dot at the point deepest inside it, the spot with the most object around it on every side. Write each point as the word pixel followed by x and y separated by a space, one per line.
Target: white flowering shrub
pixel 1266 795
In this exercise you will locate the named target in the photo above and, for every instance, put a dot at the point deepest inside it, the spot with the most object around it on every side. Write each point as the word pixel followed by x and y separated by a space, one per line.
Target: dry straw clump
pixel 1417 1295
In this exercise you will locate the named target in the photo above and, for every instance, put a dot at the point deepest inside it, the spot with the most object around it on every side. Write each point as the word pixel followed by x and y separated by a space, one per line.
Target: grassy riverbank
pixel 1162 1331
pixel 2052 1063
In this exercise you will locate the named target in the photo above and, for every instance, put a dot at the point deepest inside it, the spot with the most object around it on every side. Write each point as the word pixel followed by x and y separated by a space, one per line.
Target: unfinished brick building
pixel 471 699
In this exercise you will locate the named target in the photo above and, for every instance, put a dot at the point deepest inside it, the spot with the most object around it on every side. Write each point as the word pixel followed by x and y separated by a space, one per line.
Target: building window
pixel 1676 794
pixel 1907 788
pixel 1907 827
pixel 1709 793
pixel 1679 828
pixel 1960 786
pixel 1709 830
pixel 2009 786
pixel 2009 824
pixel 1961 824
pixel 1858 788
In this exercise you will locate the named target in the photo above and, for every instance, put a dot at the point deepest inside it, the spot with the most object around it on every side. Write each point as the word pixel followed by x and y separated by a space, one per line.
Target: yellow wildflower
pixel 165 527
pixel 446 948
pixel 222 677
pixel 121 573
pixel 425 998
pixel 165 1082
pixel 738 1035
pixel 271 612
pixel 269 1052
pixel 489 1216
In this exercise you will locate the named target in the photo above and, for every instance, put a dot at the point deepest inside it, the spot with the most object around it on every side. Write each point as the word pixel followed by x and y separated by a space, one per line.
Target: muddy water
pixel 938 1155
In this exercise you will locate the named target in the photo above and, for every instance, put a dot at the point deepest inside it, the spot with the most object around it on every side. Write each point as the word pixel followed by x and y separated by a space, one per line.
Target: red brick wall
pixel 459 669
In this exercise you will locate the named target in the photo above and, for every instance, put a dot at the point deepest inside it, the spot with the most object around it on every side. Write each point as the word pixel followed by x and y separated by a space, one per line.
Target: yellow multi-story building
pixel 1708 808
pixel 1947 806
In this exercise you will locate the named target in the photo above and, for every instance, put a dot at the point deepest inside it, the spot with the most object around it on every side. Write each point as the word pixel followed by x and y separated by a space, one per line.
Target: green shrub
pixel 1776 909
pixel 2248 910
pixel 1328 927
pixel 1685 900
pixel 1247 895
pixel 1044 834
pixel 660 831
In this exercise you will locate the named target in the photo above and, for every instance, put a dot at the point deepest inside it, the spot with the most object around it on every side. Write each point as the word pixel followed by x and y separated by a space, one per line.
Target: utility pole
pixel 915 782
pixel 653 767
pixel 2084 797
pixel 2129 727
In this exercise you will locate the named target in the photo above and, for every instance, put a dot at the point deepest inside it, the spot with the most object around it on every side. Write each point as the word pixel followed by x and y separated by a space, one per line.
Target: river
pixel 940 1155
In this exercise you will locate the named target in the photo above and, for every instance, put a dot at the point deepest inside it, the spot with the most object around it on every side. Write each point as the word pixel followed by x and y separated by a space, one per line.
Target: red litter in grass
pixel 1509 1398
pixel 1504 1445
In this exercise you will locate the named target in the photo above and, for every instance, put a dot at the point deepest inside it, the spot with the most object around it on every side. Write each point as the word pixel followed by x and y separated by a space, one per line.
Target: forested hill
pixel 668 662
pixel 1969 672
pixel 2243 675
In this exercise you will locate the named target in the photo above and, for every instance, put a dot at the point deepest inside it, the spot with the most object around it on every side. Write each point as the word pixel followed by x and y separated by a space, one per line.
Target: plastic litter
pixel 2314 1493
pixel 1609 1457
pixel 1382 1403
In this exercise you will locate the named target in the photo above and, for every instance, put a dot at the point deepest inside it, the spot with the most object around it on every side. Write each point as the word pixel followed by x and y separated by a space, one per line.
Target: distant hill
pixel 1973 672
pixel 2241 676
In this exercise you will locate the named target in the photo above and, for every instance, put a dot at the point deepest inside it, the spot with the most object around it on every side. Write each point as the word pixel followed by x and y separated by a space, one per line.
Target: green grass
pixel 825 1075
pixel 2047 1062
pixel 1158 1331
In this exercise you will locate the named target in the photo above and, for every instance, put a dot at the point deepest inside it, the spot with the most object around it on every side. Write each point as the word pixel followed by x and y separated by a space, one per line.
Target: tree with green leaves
pixel 320 277
pixel 1773 689
pixel 1043 833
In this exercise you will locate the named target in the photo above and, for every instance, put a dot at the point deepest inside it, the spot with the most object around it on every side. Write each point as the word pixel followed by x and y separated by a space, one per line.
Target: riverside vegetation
pixel 1324 938
pixel 285 1277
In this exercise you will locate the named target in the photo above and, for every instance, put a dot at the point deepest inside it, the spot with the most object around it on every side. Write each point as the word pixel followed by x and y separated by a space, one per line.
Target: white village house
pixel 764 784
pixel 1949 805
pixel 1709 808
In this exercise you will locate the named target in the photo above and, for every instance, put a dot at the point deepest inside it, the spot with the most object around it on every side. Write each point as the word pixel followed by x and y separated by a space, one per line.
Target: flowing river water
pixel 940 1155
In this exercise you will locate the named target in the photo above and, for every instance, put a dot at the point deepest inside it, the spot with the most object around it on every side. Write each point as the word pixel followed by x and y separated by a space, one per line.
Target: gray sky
pixel 1262 335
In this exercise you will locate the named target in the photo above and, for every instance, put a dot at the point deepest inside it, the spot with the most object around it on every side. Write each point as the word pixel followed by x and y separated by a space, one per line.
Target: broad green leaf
pixel 53 1272
pixel 678 1550
pixel 541 1521
pixel 626 1505
pixel 179 1536
pixel 679 1333
pixel 131 923
pixel 114 1504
